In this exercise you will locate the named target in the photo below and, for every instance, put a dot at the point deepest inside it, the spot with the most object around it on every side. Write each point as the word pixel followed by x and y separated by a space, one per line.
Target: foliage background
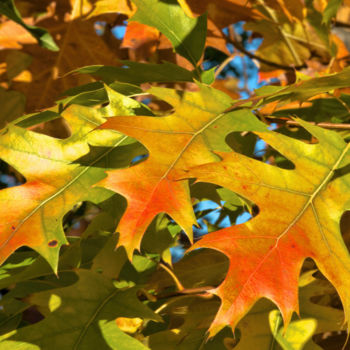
pixel 101 299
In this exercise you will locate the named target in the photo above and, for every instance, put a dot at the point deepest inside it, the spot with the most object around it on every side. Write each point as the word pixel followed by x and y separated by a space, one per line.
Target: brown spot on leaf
pixel 53 243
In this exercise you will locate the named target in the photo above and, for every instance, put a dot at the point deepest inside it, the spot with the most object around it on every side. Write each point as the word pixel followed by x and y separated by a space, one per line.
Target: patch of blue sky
pixel 99 27
pixel 119 31
pixel 212 217
pixel 204 205
pixel 138 158
pixel 244 217
pixel 260 148
pixel 8 180
pixel 176 253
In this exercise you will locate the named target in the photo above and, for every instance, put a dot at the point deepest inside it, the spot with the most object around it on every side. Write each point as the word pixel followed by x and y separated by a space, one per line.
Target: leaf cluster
pixel 121 153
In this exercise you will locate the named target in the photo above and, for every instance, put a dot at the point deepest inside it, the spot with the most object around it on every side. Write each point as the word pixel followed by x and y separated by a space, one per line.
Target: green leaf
pixel 297 334
pixel 138 73
pixel 186 34
pixel 92 94
pixel 8 8
pixel 331 10
pixel 117 339
pixel 200 268
pixel 190 318
pixel 32 119
pixel 80 317
pixel 12 105
pixel 208 76
pixel 17 61
pixel 303 90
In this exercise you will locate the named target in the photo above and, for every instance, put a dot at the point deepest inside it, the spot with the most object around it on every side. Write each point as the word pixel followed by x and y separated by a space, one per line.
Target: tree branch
pixel 325 125
pixel 237 45
pixel 200 291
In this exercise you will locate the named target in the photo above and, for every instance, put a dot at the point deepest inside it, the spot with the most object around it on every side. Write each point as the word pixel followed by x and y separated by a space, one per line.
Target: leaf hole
pixel 296 132
pixel 110 158
pixel 250 145
pixel 57 128
pixel 158 107
pixel 10 177
pixel 216 208
pixel 345 228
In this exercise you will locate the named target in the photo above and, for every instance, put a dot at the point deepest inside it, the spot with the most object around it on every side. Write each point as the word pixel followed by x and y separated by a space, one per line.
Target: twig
pixel 179 285
pixel 325 125
pixel 340 101
pixel 340 24
pixel 224 64
pixel 286 39
pixel 200 291
pixel 237 45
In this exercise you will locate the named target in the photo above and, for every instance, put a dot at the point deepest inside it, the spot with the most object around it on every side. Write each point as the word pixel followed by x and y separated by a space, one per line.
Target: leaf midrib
pixel 302 211
pixel 62 189
pixel 172 165
pixel 93 317
pixel 177 39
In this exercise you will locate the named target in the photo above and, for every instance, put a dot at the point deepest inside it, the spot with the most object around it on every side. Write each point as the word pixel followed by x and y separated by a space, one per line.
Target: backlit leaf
pixel 197 126
pixel 298 218
pixel 81 316
pixel 54 182
pixel 8 8
pixel 186 34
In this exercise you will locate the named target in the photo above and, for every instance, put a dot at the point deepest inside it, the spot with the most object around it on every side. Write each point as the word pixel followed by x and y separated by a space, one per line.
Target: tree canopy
pixel 131 136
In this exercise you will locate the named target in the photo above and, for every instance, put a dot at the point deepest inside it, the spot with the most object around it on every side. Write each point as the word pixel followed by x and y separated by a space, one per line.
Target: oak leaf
pixel 177 141
pixel 82 315
pixel 55 180
pixel 255 330
pixel 299 216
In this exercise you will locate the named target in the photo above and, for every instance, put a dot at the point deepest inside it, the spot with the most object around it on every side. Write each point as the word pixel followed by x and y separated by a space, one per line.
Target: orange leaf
pixel 55 180
pixel 142 39
pixel 222 13
pixel 79 46
pixel 299 218
pixel 175 142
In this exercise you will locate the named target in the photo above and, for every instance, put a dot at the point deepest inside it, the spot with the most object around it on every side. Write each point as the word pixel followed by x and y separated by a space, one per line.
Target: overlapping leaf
pixel 54 182
pixel 9 9
pixel 81 316
pixel 314 319
pixel 78 43
pixel 299 216
pixel 176 141
pixel 186 34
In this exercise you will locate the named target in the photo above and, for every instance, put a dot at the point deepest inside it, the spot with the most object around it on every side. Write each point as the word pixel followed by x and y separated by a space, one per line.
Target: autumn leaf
pixel 197 126
pixel 110 6
pixel 299 216
pixel 314 319
pixel 8 8
pixel 287 43
pixel 76 38
pixel 54 180
pixel 222 13
pixel 142 40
